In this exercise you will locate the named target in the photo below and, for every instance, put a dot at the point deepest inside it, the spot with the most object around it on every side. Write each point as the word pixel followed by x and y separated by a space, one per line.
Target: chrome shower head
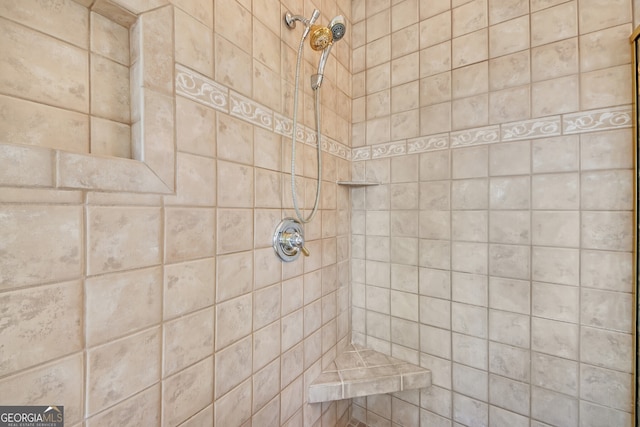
pixel 337 28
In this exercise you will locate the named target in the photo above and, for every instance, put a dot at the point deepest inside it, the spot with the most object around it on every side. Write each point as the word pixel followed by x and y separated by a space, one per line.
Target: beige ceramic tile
pixel 234 140
pixel 554 373
pixel 509 70
pixel 604 48
pixel 555 228
pixel 114 234
pixel 556 265
pixel 555 96
pixel 182 347
pixel 610 310
pixel 607 230
pixel 143 408
pixel 235 185
pixel 508 361
pixel 237 312
pixel 470 112
pixel 200 9
pixel 235 275
pixel 556 154
pixel 109 138
pixel 555 302
pixel 405 41
pixel 157 144
pixel 50 251
pixel 235 407
pixel 139 359
pixel 195 127
pixel 119 304
pixel 235 230
pixel 554 338
pixel 605 387
pixel 196 181
pixel 378 25
pixel 471 80
pixel 554 24
pixel 429 8
pixel 237 73
pixel 60 381
pixel 470 48
pixel 606 150
pixel 156 47
pixel 555 191
pixel 509 105
pixel 435 59
pixel 555 60
pixel 64 65
pixel 187 392
pixel 605 88
pixel 188 286
pixel 502 10
pixel 509 37
pixel 509 261
pixel 594 345
pixel 110 94
pixel 28 341
pixel 510 227
pixel 36 124
pixel 510 295
pixel 193 44
pixel 598 14
pixel 109 39
pixel 606 270
pixel 469 17
pixel 189 233
pixel 607 190
pixel 553 408
pixel 67 21
pixel 138 6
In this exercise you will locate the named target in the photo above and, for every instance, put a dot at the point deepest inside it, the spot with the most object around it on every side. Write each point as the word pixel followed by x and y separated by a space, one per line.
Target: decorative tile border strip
pixel 543 127
pixel 361 153
pixel 203 90
pixel 389 149
pixel 485 135
pixel 593 121
pixel 428 143
pixel 247 110
pixel 530 129
pixel 199 88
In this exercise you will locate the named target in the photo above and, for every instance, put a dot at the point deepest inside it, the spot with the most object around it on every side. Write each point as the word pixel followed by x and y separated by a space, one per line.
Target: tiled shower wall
pixel 497 250
pixel 146 309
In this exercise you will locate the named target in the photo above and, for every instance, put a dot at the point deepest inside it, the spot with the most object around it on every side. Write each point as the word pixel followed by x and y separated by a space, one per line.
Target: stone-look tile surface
pixel 522 218
pixel 359 371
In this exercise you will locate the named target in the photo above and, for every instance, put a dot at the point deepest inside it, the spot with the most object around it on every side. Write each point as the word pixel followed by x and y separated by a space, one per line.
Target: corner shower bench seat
pixel 359 371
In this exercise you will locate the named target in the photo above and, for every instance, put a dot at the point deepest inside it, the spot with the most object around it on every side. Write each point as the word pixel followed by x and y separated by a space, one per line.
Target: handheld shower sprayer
pixel 321 38
pixel 337 29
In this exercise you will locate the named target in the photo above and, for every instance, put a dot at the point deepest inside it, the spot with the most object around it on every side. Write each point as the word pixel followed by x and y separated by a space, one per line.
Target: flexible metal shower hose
pixel 294 127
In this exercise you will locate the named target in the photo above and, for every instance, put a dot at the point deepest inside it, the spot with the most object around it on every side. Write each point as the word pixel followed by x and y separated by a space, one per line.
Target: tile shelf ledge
pixel 357 183
pixel 359 371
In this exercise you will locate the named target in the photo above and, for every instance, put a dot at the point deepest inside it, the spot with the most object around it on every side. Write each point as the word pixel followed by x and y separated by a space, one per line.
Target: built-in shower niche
pixel 104 99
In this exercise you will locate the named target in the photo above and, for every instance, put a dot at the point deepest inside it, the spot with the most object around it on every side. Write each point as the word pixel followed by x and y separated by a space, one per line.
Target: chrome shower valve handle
pixel 288 240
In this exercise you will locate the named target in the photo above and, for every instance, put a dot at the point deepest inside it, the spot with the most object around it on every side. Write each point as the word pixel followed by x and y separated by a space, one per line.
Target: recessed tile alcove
pixel 97 111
